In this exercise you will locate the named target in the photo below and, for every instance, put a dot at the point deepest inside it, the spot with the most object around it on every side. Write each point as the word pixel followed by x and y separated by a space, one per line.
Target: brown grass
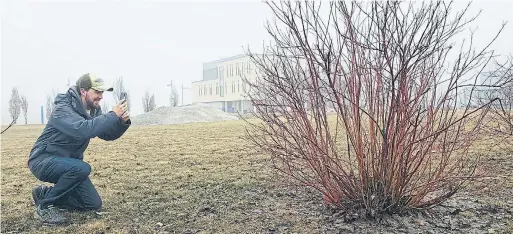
pixel 192 178
pixel 189 178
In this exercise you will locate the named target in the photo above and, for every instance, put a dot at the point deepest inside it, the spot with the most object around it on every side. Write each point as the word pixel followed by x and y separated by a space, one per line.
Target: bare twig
pixel 10 125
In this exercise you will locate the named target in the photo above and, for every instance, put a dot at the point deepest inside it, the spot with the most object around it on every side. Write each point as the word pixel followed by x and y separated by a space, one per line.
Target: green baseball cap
pixel 91 81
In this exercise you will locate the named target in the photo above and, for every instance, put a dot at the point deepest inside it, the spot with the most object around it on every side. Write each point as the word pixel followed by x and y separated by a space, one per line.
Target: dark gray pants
pixel 73 190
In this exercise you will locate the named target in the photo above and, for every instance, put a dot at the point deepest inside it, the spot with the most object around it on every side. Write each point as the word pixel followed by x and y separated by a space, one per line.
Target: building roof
pixel 213 64
pixel 227 58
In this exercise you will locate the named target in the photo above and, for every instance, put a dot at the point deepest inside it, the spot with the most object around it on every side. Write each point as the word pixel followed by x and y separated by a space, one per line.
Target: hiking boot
pixel 38 193
pixel 50 215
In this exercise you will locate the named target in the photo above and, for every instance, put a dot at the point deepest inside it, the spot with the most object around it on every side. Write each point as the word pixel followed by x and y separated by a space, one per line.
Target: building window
pixel 199 91
pixel 225 87
pixel 249 67
pixel 231 70
pixel 205 89
pixel 237 71
pixel 238 86
pixel 210 89
pixel 217 88
pixel 220 71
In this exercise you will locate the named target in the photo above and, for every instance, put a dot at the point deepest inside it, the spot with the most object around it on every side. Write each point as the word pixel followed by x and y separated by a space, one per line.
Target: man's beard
pixel 90 104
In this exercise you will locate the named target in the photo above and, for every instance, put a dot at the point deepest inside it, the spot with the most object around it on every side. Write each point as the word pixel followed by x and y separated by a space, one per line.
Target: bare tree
pixel 15 104
pixel 119 88
pixel 148 102
pixel 14 108
pixel 392 76
pixel 145 101
pixel 24 107
pixel 152 105
pixel 50 103
pixel 105 106
pixel 173 96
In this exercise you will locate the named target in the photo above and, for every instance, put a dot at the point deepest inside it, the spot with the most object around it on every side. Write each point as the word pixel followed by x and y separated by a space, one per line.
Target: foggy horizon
pixel 149 44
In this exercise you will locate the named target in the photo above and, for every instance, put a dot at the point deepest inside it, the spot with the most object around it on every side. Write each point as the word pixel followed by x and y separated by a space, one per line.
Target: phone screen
pixel 123 96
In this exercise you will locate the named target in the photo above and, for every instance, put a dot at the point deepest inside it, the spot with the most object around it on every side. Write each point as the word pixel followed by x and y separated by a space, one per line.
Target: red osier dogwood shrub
pixel 362 101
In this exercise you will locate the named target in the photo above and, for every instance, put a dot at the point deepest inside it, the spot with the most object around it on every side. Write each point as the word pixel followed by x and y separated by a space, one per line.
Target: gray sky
pixel 148 43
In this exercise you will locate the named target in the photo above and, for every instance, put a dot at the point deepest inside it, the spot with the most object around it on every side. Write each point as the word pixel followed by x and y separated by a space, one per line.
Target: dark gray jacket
pixel 70 128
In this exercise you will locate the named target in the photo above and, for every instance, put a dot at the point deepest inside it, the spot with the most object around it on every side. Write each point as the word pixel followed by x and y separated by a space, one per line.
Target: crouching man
pixel 57 155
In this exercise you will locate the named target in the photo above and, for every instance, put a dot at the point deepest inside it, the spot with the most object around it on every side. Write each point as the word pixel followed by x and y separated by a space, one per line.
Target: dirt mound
pixel 184 114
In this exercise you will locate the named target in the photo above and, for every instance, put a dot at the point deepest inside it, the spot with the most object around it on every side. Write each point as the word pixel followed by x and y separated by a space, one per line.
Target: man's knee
pixel 81 171
pixel 92 199
pixel 96 204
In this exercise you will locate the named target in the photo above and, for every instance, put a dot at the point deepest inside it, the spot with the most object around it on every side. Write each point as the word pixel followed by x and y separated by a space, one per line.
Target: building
pixel 222 86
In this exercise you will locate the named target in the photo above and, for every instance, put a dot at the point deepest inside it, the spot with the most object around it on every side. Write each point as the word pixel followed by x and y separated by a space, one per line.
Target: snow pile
pixel 184 114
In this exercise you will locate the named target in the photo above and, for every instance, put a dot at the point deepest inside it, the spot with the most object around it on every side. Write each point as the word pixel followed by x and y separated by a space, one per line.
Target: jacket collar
pixel 77 104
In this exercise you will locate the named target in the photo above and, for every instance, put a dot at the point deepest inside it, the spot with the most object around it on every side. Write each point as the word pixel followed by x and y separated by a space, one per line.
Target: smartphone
pixel 123 97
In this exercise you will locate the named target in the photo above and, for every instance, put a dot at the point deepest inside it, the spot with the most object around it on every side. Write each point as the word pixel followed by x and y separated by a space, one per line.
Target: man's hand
pixel 126 116
pixel 120 109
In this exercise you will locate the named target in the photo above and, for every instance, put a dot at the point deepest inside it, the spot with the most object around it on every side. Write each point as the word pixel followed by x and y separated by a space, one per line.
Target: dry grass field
pixel 202 178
